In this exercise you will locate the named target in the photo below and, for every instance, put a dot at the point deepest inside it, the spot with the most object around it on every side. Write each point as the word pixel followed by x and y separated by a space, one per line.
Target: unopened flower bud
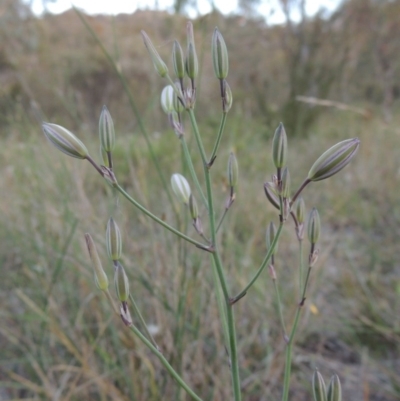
pixel 121 283
pixel 106 130
pixel 158 62
pixel 318 385
pixel 65 141
pixel 279 147
pixel 104 157
pixel 334 159
pixel 100 276
pixel 219 55
pixel 334 389
pixel 167 99
pixel 192 65
pixel 233 170
pixel 271 194
pixel 181 188
pixel 177 58
pixel 194 210
pixel 270 236
pixel 228 98
pixel 285 186
pixel 313 226
pixel 113 240
pixel 300 210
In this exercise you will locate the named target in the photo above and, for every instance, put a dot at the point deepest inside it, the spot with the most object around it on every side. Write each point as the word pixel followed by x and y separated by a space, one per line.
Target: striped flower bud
pixel 270 236
pixel 192 65
pixel 279 147
pixel 113 240
pixel 285 186
pixel 270 193
pixel 104 157
pixel 300 210
pixel 334 159
pixel 228 98
pixel 106 130
pixel 158 62
pixel 100 276
pixel 181 188
pixel 177 58
pixel 313 226
pixel 65 141
pixel 121 283
pixel 233 170
pixel 219 55
pixel 334 389
pixel 193 208
pixel 318 386
pixel 167 99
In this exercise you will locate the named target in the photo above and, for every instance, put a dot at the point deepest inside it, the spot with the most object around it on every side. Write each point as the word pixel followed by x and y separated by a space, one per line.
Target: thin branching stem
pixel 158 220
pixel 218 140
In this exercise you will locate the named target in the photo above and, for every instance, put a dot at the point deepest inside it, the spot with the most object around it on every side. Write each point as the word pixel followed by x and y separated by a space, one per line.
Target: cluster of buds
pixel 321 393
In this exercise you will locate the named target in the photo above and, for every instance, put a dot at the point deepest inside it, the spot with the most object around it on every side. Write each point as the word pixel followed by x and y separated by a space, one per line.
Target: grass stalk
pixel 218 140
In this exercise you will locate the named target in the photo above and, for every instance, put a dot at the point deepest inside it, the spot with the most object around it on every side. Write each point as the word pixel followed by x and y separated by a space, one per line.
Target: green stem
pixel 218 265
pixel 301 265
pixel 222 218
pixel 158 220
pixel 142 322
pixel 262 266
pixel 189 163
pixel 279 304
pixel 166 364
pixel 135 110
pixel 219 136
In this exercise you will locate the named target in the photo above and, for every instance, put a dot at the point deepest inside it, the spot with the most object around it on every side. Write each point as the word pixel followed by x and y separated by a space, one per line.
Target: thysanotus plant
pixel 176 100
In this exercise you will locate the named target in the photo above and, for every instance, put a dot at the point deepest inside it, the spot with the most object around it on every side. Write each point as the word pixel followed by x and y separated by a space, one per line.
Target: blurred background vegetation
pixel 328 77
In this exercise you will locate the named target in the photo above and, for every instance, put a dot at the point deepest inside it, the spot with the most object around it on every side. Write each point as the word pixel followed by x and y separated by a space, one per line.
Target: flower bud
pixel 121 283
pixel 113 240
pixel 318 385
pixel 233 170
pixel 285 186
pixel 158 63
pixel 219 55
pixel 181 188
pixel 177 58
pixel 106 130
pixel 65 141
pixel 167 99
pixel 334 389
pixel 279 147
pixel 270 236
pixel 100 276
pixel 334 159
pixel 104 157
pixel 228 98
pixel 194 210
pixel 313 226
pixel 192 65
pixel 270 193
pixel 300 210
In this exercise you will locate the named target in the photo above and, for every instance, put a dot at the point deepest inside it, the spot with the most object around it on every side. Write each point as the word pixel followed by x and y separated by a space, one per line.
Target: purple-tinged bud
pixel 158 62
pixel 106 130
pixel 219 55
pixel 100 276
pixel 193 208
pixel 334 389
pixel 228 100
pixel 113 240
pixel 181 188
pixel 65 141
pixel 279 147
pixel 271 194
pixel 318 386
pixel 233 171
pixel 167 99
pixel 270 236
pixel 177 58
pixel 334 159
pixel 313 226
pixel 121 283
